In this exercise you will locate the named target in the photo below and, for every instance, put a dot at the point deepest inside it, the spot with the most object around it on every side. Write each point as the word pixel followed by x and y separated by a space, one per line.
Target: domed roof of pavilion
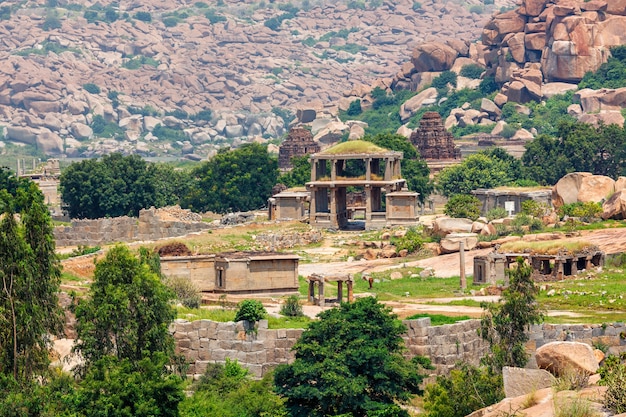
pixel 355 147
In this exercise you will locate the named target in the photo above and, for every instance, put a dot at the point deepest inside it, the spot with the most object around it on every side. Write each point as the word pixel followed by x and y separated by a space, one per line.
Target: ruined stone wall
pixel 148 226
pixel 205 341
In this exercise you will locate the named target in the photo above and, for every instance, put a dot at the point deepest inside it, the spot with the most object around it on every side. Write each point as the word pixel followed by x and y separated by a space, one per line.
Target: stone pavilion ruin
pixel 361 166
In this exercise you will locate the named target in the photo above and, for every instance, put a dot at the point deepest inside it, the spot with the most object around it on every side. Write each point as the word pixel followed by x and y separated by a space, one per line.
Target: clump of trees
pixel 350 362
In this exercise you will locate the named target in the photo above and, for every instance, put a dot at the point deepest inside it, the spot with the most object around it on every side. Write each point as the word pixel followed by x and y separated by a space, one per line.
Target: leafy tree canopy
pixel 299 175
pixel 579 147
pixel 119 185
pixel 349 362
pixel 487 169
pixel 29 280
pixel 127 313
pixel 233 180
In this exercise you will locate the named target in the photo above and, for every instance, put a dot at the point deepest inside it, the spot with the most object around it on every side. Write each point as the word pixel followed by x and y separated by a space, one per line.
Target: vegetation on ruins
pixel 468 388
pixel 350 362
pixel 117 185
pixel 228 390
pixel 463 206
pixel 233 180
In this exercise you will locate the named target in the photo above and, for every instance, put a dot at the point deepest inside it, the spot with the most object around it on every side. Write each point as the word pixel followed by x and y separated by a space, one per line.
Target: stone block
pixel 194 344
pixel 281 334
pixel 184 343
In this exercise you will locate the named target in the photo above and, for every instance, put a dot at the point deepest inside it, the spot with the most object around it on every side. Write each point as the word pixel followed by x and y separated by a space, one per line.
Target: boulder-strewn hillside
pixel 74 72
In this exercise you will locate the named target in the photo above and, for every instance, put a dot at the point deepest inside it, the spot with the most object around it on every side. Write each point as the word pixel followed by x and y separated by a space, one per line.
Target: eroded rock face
pixel 582 187
pixel 560 357
pixel 615 206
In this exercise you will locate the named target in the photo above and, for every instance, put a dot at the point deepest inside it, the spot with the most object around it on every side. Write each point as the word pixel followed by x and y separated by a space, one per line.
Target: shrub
pixel 535 208
pixel 613 376
pixel 213 17
pixel 355 108
pixel 170 21
pixel 416 6
pixel 488 85
pixel 585 211
pixel 250 311
pixel 186 292
pixel 476 8
pixel 92 88
pixel 292 307
pixel 463 206
pixel 473 71
pixel 445 78
pixel 496 213
pixel 508 131
pixel 571 379
pixel 411 241
pixel 143 16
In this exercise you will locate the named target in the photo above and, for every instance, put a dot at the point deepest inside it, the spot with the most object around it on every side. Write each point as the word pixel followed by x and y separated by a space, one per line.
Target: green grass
pixel 354 147
pixel 439 319
pixel 228 314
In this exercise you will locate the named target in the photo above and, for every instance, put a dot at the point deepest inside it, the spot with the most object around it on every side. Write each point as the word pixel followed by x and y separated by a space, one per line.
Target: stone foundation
pixel 205 341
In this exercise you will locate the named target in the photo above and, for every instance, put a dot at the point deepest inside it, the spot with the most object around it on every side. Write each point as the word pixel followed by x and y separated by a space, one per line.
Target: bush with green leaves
pixel 292 307
pixel 473 71
pixel 91 88
pixel 613 376
pixel 523 219
pixel 251 311
pixel 143 16
pixel 496 213
pixel 355 108
pixel 412 241
pixel 467 389
pixel 535 208
pixel 587 211
pixel 229 391
pixel 463 206
pixel 185 291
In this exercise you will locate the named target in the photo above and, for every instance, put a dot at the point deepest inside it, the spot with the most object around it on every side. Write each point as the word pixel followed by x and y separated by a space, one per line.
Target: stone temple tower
pixel 432 140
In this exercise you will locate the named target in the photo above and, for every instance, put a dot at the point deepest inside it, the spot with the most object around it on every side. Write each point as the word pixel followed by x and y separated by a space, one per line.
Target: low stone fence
pixel 205 341
pixel 148 226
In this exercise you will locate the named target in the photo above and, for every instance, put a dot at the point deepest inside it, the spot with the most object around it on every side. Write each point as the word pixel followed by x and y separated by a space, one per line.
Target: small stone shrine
pixel 432 140
pixel 299 142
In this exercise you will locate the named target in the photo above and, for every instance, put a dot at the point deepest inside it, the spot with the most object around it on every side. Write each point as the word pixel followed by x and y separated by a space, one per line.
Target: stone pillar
pixel 350 291
pixel 340 291
pixel 333 208
pixel 368 205
pixel 314 169
pixel 368 169
pixel 333 170
pixel 322 297
pixel 311 297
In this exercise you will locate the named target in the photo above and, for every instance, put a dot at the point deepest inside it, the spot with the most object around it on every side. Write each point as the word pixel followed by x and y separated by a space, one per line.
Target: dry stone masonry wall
pixel 205 341
pixel 152 224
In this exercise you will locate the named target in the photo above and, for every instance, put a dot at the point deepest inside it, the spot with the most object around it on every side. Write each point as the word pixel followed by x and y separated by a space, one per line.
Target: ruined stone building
pixel 361 166
pixel 237 272
pixel 299 142
pixel 435 144
pixel 432 140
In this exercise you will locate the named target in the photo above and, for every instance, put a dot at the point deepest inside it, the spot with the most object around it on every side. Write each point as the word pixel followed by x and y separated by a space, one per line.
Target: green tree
pixel 115 387
pixel 463 206
pixel 233 180
pixel 299 175
pixel 467 389
pixel 119 185
pixel 349 361
pixel 487 169
pixel 504 324
pixel 579 147
pixel 127 312
pixel 29 280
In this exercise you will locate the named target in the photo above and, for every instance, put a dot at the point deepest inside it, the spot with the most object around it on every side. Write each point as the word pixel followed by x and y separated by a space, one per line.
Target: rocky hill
pixel 173 77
